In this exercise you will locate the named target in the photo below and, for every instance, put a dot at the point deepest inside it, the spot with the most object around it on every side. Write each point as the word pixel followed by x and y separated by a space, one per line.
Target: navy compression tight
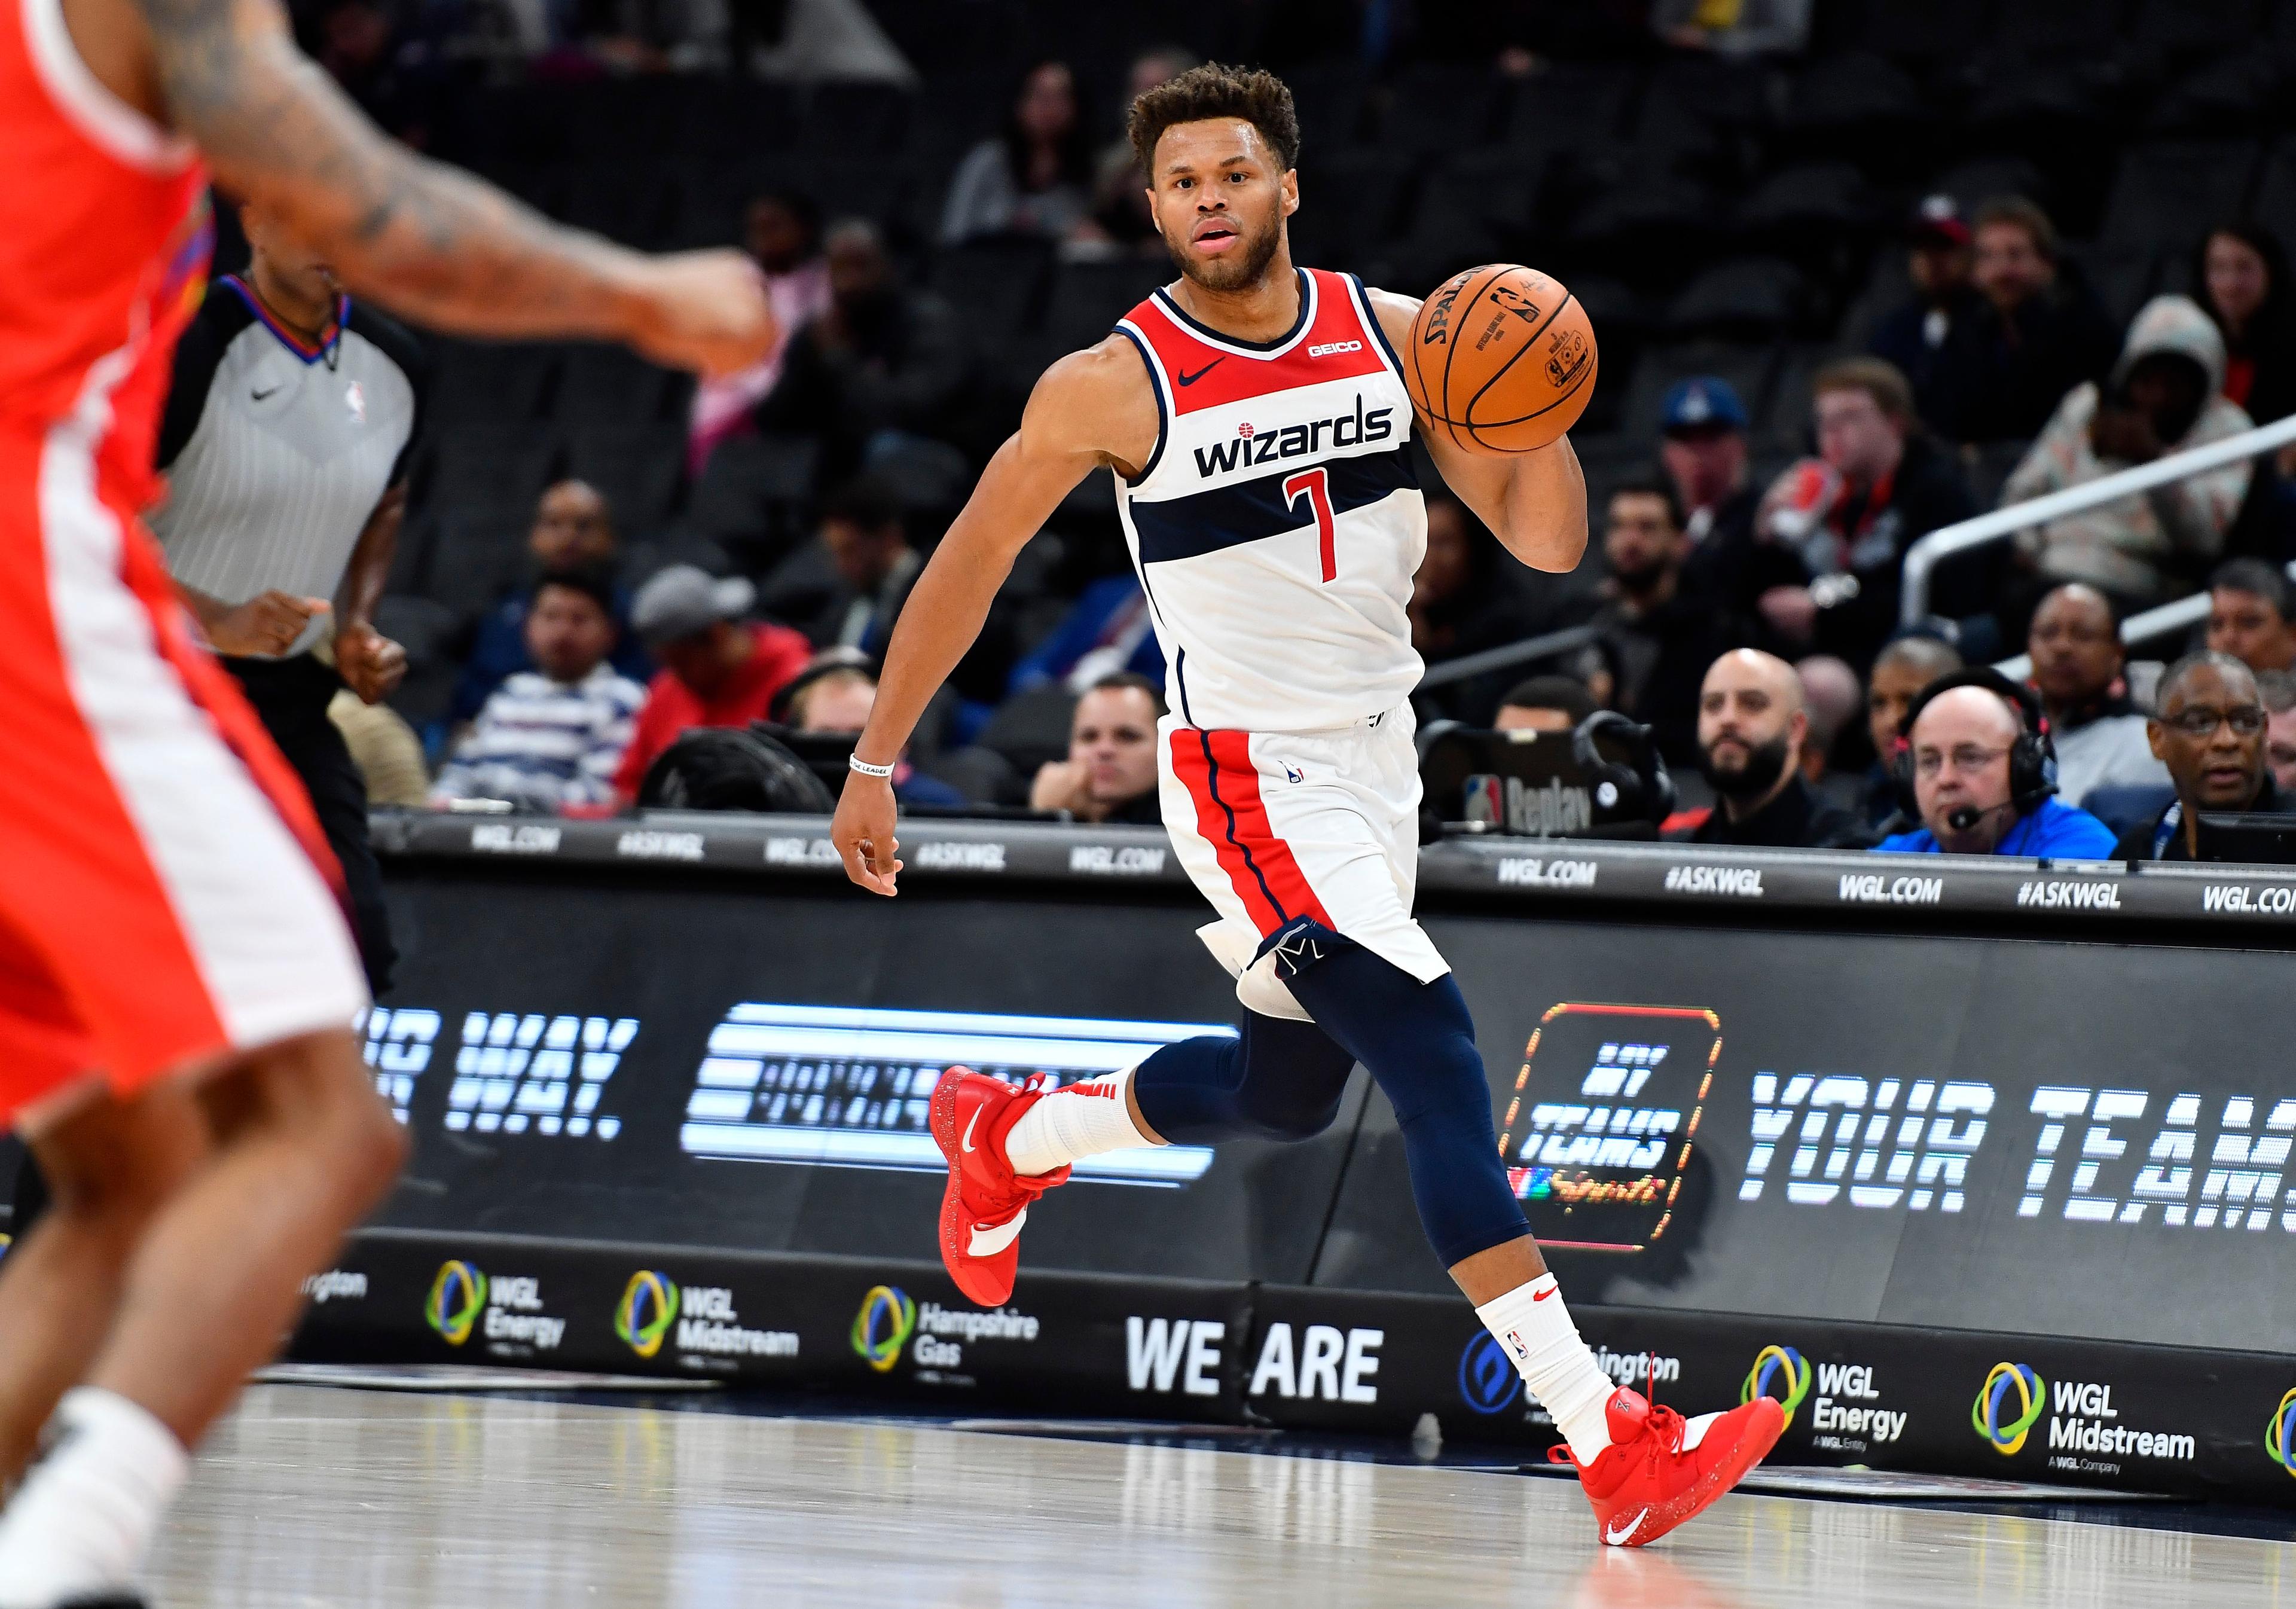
pixel 1282 1080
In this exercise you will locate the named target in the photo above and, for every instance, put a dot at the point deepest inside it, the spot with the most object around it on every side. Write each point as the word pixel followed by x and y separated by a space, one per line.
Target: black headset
pixel 2032 758
pixel 1643 791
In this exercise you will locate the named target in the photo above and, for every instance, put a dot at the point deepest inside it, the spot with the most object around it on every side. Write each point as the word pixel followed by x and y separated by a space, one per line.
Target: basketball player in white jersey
pixel 1255 418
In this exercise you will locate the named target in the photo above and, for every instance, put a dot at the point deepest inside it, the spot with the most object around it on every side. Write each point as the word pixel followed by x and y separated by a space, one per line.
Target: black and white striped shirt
pixel 276 452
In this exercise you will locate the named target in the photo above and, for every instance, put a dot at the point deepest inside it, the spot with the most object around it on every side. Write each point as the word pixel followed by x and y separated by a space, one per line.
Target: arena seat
pixel 1745 298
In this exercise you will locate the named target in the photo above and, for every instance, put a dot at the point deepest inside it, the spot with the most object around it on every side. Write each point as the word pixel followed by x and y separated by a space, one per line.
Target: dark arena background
pixel 1979 1163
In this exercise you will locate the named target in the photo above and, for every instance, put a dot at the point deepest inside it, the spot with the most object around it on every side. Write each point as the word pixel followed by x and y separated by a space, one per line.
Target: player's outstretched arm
pixel 1091 408
pixel 1535 503
pixel 430 242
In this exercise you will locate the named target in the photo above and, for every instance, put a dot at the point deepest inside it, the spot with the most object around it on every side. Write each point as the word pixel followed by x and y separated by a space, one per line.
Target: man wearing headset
pixel 1975 756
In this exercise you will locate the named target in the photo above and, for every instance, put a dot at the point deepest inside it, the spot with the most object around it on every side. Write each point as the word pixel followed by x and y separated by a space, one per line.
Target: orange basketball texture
pixel 1502 359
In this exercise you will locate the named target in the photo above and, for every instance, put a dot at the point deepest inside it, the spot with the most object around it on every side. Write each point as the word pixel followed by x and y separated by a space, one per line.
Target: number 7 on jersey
pixel 1315 484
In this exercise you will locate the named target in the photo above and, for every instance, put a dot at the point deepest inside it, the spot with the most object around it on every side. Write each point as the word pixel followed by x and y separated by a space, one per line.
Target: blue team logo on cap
pixel 1487 1381
pixel 1702 403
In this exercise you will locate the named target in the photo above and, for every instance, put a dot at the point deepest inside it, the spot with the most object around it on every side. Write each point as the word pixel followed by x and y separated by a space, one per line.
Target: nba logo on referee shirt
pixel 355 399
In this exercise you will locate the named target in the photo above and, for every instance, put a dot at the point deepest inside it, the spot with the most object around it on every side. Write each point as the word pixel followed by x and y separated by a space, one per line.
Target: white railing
pixel 2170 619
pixel 1921 559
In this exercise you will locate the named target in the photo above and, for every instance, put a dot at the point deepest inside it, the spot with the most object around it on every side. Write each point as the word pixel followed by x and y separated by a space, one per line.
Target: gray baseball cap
pixel 684 600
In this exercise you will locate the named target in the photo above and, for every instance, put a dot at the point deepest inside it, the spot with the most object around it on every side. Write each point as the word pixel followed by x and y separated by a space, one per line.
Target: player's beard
pixel 1235 270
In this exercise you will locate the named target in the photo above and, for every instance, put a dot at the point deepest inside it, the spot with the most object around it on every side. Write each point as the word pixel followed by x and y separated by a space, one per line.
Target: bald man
pixel 1752 726
pixel 1962 738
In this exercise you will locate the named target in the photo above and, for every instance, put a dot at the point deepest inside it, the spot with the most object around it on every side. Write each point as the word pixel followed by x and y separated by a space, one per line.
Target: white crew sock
pixel 82 1521
pixel 1073 1122
pixel 1535 1329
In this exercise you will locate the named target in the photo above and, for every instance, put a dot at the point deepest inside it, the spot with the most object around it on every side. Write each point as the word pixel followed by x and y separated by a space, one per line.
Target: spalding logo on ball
pixel 1503 359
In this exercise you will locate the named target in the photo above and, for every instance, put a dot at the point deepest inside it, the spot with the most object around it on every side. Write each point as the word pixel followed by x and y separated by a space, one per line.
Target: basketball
pixel 1502 359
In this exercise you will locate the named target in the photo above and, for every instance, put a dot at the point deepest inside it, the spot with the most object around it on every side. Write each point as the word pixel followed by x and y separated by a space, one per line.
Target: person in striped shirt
pixel 549 739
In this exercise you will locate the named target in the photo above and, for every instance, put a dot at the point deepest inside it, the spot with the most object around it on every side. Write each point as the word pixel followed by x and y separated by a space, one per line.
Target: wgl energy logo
pixel 457 1297
pixel 1779 1373
pixel 506 1309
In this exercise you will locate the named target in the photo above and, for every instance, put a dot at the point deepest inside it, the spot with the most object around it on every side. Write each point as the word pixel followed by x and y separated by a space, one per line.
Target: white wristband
pixel 865 768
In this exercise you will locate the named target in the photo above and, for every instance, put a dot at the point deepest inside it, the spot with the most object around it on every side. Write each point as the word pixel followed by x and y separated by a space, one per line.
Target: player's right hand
pixel 267 623
pixel 702 311
pixel 863 833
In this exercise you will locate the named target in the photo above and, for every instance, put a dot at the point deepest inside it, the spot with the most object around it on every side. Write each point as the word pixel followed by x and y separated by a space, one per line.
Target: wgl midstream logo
pixel 1845 1417
pixel 707 1324
pixel 2081 1417
pixel 2280 1433
pixel 506 1311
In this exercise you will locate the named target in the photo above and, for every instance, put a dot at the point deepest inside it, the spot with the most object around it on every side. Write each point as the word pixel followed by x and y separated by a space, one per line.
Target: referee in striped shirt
pixel 286 442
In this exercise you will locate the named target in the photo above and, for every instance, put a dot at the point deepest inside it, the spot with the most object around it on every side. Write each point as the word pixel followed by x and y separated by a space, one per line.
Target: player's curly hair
pixel 1214 90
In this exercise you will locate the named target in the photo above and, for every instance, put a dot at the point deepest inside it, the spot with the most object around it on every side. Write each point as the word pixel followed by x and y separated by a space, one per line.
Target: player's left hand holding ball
pixel 863 833
pixel 1502 360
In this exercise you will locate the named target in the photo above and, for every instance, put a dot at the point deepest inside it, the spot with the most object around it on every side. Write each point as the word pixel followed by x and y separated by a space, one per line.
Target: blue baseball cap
pixel 1703 403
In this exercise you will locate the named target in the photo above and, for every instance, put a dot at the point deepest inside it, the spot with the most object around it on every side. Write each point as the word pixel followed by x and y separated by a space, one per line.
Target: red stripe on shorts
pixel 1215 768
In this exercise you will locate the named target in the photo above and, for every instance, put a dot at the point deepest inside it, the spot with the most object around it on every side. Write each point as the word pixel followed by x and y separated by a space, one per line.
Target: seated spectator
pixel 1544 704
pixel 2242 276
pixel 717 669
pixel 2251 615
pixel 2210 735
pixel 2078 661
pixel 1702 450
pixel 837 696
pixel 1746 28
pixel 782 232
pixel 1120 187
pixel 551 737
pixel 1752 727
pixel 573 529
pixel 1108 630
pixel 2040 331
pixel 1035 176
pixel 2277 689
pixel 1467 596
pixel 1110 772
pixel 1911 336
pixel 868 545
pixel 1880 483
pixel 1972 794
pixel 1830 697
pixel 2162 397
pixel 1660 637
pixel 883 360
pixel 1902 672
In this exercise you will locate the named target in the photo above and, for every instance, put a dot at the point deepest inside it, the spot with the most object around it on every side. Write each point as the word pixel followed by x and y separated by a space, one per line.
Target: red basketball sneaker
pixel 987 1202
pixel 1660 1468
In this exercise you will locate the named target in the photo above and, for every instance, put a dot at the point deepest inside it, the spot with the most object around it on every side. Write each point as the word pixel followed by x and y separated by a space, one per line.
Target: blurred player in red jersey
pixel 176 983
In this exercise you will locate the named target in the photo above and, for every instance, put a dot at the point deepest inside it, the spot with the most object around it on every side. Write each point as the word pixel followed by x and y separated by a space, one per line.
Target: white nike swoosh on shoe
pixel 987 1239
pixel 1618 1536
pixel 967 1142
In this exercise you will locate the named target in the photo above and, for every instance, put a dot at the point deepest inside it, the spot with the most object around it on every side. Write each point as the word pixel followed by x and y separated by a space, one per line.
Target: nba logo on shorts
pixel 1483 800
pixel 1292 773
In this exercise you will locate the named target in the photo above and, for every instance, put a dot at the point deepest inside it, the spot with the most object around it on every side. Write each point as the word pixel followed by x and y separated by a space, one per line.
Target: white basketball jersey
pixel 1278 524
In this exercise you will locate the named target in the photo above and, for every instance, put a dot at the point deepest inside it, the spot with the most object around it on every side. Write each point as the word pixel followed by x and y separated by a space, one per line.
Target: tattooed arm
pixel 428 241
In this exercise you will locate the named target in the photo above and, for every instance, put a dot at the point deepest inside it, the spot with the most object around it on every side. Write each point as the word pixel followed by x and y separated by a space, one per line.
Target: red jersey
pixel 104 236
pixel 671 707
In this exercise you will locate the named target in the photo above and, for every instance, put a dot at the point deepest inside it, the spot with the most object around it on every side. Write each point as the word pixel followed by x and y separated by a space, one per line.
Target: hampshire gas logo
pixel 2010 1402
pixel 1780 1373
pixel 457 1297
pixel 883 1326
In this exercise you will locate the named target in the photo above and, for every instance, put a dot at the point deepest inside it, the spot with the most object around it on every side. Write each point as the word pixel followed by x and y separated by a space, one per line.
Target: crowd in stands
pixel 1817 347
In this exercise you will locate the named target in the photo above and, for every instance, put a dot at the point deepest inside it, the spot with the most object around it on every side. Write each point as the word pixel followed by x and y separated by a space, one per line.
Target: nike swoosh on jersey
pixel 967 1143
pixel 260 396
pixel 1199 373
pixel 1617 1536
